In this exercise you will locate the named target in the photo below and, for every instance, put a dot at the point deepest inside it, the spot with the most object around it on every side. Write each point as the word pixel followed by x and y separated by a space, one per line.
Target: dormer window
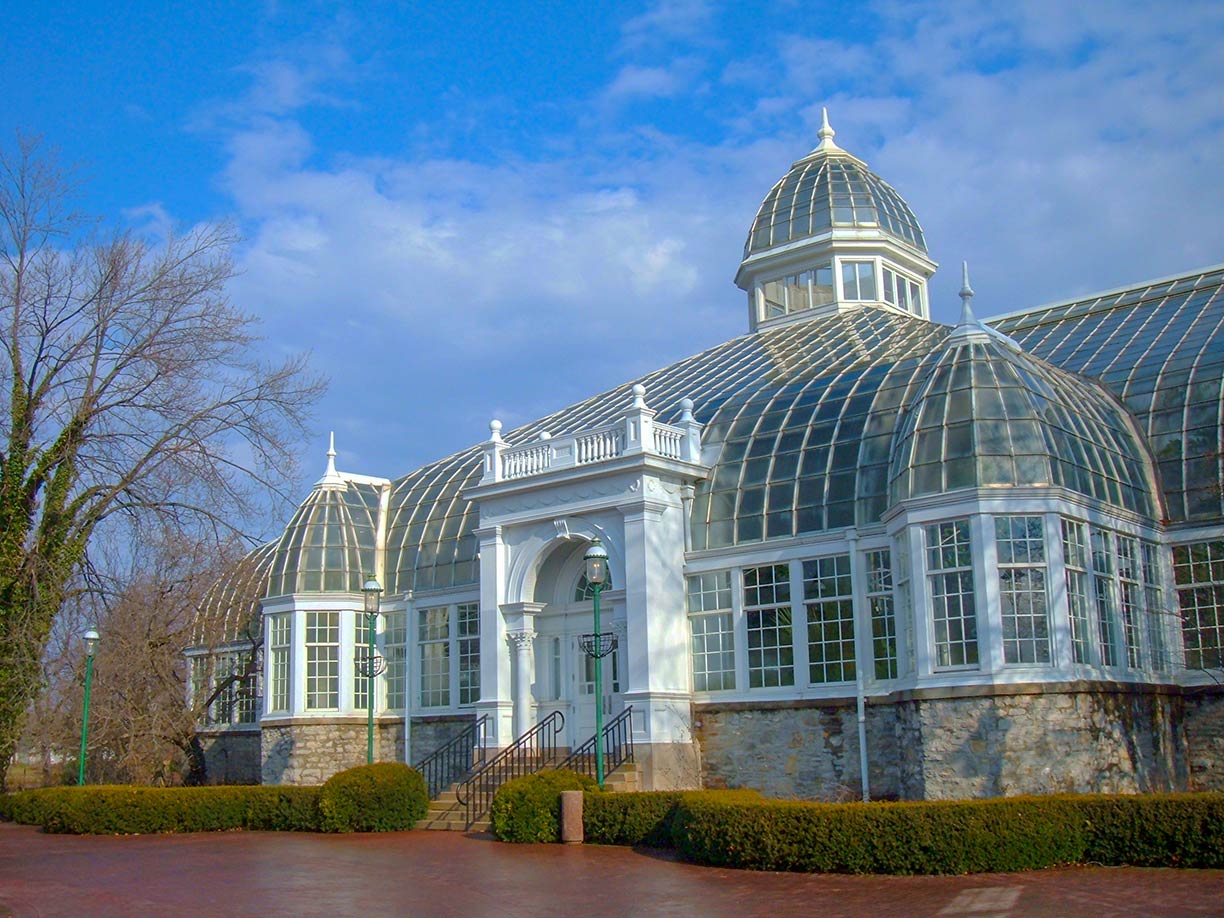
pixel 797 292
pixel 858 280
pixel 903 292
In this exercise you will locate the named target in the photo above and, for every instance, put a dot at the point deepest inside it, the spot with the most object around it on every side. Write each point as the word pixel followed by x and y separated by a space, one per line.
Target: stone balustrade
pixel 635 434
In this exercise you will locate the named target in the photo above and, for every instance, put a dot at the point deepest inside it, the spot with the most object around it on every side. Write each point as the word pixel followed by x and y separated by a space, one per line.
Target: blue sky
pixel 494 209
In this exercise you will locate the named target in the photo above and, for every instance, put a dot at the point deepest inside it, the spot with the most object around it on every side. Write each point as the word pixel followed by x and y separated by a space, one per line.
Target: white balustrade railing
pixel 522 461
pixel 668 441
pixel 598 445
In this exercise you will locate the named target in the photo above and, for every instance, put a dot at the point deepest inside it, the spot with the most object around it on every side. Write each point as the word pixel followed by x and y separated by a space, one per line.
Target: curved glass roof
pixel 830 189
pixel 230 610
pixel 329 544
pixel 1159 347
pixel 988 416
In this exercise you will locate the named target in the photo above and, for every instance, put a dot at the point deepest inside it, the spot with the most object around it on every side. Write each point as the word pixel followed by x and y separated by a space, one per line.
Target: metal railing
pixel 534 751
pixel 618 747
pixel 456 760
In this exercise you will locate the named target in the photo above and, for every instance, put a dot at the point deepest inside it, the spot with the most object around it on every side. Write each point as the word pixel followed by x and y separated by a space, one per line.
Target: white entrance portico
pixel 541 504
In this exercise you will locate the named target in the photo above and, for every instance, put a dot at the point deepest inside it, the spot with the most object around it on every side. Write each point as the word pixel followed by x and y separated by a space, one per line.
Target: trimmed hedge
pixel 1008 834
pixel 528 809
pixel 126 810
pixel 644 818
pixel 383 797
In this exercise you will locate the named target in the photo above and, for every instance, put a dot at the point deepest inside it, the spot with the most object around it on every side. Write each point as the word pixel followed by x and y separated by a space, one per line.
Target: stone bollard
pixel 571 817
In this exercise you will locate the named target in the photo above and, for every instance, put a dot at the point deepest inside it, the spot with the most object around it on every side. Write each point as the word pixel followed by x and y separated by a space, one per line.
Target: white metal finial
pixel 639 395
pixel 686 409
pixel 495 427
pixel 331 453
pixel 966 295
pixel 826 132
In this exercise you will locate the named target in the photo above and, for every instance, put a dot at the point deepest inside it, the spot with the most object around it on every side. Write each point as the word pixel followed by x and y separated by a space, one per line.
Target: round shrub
pixel 528 809
pixel 383 797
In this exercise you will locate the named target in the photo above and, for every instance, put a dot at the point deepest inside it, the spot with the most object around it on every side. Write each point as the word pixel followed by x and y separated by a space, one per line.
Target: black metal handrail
pixel 534 751
pixel 618 747
pixel 456 760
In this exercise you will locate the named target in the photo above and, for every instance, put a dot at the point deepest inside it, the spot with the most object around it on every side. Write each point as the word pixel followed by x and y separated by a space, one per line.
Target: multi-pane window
pixel 797 292
pixel 468 615
pixel 1076 564
pixel 236 701
pixel 1153 601
pixel 713 636
pixel 768 615
pixel 828 599
pixel 361 650
pixel 953 610
pixel 901 291
pixel 1130 593
pixel 1103 593
pixel 883 616
pixel 433 642
pixel 1198 570
pixel 199 684
pixel 1020 541
pixel 280 641
pixel 395 639
pixel 322 661
pixel 858 280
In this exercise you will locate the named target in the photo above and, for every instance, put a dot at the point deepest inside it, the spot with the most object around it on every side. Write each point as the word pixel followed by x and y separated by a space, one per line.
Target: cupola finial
pixel 966 295
pixel 331 478
pixel 825 133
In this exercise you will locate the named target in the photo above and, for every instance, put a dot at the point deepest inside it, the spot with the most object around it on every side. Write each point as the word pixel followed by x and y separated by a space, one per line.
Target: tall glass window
pixel 1106 600
pixel 1130 596
pixel 828 599
pixel 883 616
pixel 768 614
pixel 433 641
pixel 797 292
pixel 1077 565
pixel 468 614
pixel 901 291
pixel 395 641
pixel 322 661
pixel 953 610
pixel 713 637
pixel 859 280
pixel 1153 601
pixel 1198 570
pixel 280 631
pixel 361 647
pixel 1020 541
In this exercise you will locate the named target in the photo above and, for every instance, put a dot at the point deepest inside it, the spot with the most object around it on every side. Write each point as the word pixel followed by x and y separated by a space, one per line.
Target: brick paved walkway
pixel 441 873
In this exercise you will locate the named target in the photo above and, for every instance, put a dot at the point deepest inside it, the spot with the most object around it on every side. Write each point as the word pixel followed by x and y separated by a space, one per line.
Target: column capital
pixel 521 640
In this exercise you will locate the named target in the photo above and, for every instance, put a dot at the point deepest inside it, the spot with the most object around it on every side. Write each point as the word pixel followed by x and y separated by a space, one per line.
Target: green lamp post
pixel 91 644
pixel 596 559
pixel 373 592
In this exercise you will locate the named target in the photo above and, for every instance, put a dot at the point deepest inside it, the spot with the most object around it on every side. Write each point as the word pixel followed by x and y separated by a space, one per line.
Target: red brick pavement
pixel 441 873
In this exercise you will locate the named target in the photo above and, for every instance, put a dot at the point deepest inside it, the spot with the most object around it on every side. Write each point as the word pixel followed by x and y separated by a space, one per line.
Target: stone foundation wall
pixel 311 751
pixel 432 733
pixel 801 750
pixel 1205 737
pixel 230 756
pixel 969 743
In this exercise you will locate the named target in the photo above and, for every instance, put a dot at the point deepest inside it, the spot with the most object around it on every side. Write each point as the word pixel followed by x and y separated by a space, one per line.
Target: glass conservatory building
pixel 852 551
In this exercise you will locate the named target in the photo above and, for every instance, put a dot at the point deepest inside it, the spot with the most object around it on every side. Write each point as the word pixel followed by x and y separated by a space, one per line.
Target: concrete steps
pixel 447 814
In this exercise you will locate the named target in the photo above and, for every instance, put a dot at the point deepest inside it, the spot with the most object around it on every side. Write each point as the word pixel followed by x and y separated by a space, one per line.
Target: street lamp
pixel 91 644
pixel 596 559
pixel 373 591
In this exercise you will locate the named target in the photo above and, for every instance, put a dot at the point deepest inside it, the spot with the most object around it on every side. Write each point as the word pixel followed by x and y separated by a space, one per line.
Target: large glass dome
pixel 329 544
pixel 230 610
pixel 989 415
pixel 830 189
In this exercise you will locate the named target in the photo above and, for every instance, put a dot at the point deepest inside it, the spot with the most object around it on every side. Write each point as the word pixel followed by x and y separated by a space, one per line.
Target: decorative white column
pixel 495 690
pixel 522 641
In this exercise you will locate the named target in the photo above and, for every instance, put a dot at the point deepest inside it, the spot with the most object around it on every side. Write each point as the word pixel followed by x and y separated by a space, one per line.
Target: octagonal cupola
pixel 832 235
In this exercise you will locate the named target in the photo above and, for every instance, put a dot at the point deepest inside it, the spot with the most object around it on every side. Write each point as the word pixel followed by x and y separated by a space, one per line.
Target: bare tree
pixel 131 388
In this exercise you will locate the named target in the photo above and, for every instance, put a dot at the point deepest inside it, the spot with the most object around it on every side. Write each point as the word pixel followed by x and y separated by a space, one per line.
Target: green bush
pixel 643 818
pixel 528 809
pixel 383 797
pixel 1018 833
pixel 124 810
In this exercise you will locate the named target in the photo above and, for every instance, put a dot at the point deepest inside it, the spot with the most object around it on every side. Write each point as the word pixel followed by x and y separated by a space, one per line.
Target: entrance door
pixel 582 720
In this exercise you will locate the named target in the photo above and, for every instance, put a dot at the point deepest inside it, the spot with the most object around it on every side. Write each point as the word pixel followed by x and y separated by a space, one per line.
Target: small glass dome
pixel 230 610
pixel 329 544
pixel 826 189
pixel 989 415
